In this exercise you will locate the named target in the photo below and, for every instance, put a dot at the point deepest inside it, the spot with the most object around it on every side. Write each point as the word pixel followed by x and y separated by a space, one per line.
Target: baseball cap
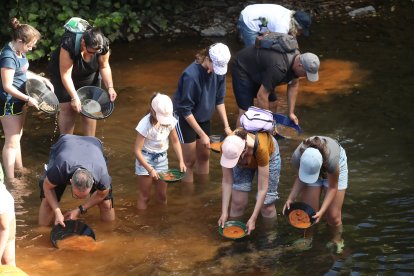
pixel 304 20
pixel 163 108
pixel 231 150
pixel 220 56
pixel 310 165
pixel 311 64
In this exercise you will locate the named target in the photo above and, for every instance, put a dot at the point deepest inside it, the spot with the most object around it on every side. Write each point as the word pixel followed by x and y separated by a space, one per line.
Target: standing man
pixel 260 18
pixel 257 71
pixel 77 161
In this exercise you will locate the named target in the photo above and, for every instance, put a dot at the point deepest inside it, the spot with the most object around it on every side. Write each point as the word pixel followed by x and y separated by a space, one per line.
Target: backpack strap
pixel 256 144
pixel 77 43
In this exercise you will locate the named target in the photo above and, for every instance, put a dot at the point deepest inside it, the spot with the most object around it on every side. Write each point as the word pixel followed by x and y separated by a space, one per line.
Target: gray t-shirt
pixel 71 152
pixel 334 149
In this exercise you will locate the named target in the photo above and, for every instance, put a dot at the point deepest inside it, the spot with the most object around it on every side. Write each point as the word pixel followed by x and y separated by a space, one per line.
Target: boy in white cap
pixel 322 165
pixel 154 132
pixel 244 154
pixel 201 91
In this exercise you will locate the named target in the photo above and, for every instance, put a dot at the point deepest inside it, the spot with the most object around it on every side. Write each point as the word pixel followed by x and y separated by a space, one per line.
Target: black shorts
pixel 11 108
pixel 61 93
pixel 186 133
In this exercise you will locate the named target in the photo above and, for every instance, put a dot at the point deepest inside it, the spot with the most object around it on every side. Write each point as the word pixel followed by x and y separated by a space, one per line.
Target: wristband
pixel 82 210
pixel 28 99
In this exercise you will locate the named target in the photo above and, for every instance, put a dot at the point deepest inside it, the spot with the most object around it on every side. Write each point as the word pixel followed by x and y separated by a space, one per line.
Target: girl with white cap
pixel 322 166
pixel 200 92
pixel 151 145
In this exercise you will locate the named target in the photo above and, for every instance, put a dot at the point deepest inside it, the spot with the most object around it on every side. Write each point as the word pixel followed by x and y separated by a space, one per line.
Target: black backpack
pixel 282 43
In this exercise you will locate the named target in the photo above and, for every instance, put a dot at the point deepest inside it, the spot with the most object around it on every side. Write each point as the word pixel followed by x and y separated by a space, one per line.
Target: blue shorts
pixel 11 108
pixel 158 161
pixel 343 174
pixel 243 177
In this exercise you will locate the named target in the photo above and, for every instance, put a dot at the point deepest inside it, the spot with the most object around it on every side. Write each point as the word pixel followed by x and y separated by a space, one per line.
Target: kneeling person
pixel 77 161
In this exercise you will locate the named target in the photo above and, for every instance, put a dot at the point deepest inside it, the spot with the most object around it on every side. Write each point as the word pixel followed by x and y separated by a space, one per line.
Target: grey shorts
pixel 243 177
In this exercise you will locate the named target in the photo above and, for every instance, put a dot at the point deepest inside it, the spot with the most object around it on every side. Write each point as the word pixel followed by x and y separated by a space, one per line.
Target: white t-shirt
pixel 278 17
pixel 156 137
pixel 6 202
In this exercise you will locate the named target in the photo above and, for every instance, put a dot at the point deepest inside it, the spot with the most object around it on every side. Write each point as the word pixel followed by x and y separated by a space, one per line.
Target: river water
pixel 364 99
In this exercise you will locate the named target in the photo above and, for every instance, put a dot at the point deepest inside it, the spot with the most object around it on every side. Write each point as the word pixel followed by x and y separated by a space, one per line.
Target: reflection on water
pixel 352 103
pixel 336 76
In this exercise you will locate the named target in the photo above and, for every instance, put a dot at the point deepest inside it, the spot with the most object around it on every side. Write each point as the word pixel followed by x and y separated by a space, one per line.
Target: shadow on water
pixel 364 99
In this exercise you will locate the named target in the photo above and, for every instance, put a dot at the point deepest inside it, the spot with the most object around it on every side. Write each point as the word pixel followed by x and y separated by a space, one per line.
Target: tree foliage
pixel 116 18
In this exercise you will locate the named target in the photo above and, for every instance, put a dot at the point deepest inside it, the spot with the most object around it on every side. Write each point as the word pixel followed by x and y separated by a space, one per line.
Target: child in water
pixel 151 146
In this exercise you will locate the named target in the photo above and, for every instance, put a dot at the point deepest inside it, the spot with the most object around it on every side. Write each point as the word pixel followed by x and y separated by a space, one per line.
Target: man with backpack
pixel 82 59
pixel 261 18
pixel 256 71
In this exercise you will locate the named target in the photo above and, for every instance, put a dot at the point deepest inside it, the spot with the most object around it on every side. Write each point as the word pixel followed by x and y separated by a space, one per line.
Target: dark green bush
pixel 116 18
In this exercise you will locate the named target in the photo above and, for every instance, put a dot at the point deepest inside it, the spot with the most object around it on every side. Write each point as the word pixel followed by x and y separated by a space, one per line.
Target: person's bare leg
pixel 189 156
pixel 66 119
pixel 12 127
pixel 45 213
pixel 161 192
pixel 203 158
pixel 239 201
pixel 107 210
pixel 144 191
pixel 88 126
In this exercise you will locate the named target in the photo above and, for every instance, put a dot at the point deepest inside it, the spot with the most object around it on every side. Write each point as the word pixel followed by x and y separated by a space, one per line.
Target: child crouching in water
pixel 151 147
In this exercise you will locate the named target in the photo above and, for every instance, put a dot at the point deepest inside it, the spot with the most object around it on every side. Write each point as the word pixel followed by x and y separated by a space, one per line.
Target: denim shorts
pixel 343 174
pixel 243 177
pixel 158 161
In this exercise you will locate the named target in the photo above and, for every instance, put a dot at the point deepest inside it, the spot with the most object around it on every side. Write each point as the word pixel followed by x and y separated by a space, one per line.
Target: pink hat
pixel 231 149
pixel 163 108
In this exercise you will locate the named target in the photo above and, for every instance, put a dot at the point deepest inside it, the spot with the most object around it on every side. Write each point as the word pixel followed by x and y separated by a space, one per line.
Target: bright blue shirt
pixel 9 59
pixel 198 93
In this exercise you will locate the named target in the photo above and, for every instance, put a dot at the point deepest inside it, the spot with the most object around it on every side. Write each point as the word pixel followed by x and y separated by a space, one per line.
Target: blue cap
pixel 304 20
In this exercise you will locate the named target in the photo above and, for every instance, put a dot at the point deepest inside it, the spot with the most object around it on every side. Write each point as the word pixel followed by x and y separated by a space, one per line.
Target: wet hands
pixel 183 167
pixel 154 174
pixel 33 102
pixel 76 104
pixel 287 205
pixel 250 225
pixel 293 117
pixel 205 140
pixel 72 215
pixel 317 216
pixel 59 218
pixel 222 220
pixel 112 94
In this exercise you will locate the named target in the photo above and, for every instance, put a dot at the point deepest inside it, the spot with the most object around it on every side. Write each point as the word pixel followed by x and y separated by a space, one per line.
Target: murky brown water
pixel 364 99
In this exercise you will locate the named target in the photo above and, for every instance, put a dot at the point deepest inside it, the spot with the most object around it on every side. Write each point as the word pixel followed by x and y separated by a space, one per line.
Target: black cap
pixel 304 20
